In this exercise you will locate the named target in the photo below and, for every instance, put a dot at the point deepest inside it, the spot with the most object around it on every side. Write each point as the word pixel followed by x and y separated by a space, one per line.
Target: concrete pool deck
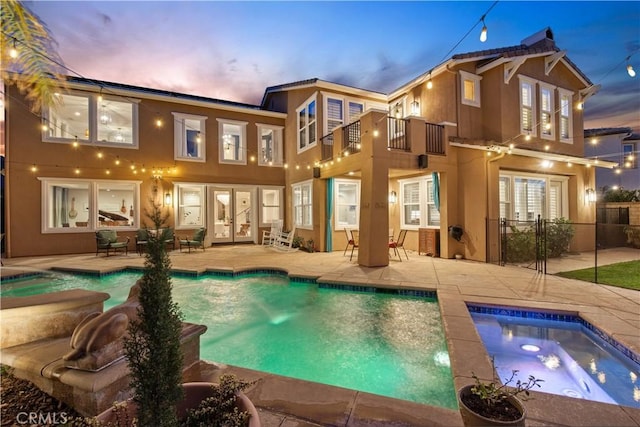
pixel 289 402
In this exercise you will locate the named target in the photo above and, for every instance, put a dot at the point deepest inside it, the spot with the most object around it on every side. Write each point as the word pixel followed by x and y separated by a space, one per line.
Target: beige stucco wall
pixel 155 150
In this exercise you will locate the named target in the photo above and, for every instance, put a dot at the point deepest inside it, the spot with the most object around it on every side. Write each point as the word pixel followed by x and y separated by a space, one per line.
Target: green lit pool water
pixel 384 344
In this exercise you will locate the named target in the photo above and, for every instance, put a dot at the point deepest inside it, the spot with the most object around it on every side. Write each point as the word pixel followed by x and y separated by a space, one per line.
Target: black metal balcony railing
pixel 327 146
pixel 435 135
pixel 399 138
pixel 351 137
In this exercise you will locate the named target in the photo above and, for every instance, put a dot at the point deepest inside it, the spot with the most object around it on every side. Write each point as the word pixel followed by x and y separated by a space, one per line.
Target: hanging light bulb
pixel 13 52
pixel 631 71
pixel 483 33
pixel 429 82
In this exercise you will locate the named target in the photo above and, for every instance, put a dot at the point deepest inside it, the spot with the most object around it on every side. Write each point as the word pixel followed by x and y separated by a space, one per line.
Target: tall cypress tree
pixel 153 345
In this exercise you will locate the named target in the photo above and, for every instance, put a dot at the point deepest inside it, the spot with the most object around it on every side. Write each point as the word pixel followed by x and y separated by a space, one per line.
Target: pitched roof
pixel 589 133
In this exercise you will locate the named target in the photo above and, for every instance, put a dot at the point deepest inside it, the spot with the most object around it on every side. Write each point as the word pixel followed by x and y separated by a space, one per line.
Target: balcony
pixel 405 137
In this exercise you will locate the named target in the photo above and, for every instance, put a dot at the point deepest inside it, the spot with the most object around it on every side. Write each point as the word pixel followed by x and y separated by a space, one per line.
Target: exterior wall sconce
pixel 167 199
pixel 393 197
pixel 590 195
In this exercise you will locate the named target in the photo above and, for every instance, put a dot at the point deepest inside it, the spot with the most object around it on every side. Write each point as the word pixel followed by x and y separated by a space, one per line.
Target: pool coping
pixel 468 353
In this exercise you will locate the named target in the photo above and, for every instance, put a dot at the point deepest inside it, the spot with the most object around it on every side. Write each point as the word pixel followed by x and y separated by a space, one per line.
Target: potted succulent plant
pixel 495 404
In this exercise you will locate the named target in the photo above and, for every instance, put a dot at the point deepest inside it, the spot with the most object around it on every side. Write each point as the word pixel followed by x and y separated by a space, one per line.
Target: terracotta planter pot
pixel 473 419
pixel 194 393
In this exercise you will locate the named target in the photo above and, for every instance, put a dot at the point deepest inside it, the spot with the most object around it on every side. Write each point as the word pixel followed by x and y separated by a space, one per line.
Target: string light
pixel 34 168
pixel 483 33
pixel 13 52
pixel 630 70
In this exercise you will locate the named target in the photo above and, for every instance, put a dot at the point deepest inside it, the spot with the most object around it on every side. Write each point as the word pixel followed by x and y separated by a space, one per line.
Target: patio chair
pixel 197 241
pixel 350 242
pixel 107 240
pixel 169 237
pixel 142 238
pixel 399 244
pixel 269 236
pixel 284 241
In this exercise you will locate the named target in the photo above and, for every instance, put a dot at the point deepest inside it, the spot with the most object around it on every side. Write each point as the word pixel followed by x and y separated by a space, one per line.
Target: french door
pixel 232 216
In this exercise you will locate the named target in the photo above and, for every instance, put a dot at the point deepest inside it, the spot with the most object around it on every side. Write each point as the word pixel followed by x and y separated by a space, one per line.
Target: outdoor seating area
pixel 108 240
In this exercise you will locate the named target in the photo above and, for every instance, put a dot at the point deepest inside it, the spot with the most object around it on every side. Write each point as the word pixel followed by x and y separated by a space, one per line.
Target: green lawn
pixel 623 275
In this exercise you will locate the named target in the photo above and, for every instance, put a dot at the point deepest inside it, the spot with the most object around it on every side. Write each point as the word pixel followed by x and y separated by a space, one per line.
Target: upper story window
pixel 88 205
pixel 190 206
pixel 270 145
pixel 527 106
pixel 303 204
pixel 547 114
pixel 232 137
pixel 470 89
pixel 272 208
pixel 307 124
pixel 340 111
pixel 566 118
pixel 347 203
pixel 85 118
pixel 629 156
pixel 419 200
pixel 189 137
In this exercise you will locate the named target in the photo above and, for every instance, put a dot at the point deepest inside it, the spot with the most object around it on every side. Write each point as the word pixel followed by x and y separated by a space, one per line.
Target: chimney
pixel 541 35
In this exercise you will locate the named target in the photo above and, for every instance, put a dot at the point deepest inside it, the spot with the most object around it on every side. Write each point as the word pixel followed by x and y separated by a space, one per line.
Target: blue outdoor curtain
pixel 329 230
pixel 436 189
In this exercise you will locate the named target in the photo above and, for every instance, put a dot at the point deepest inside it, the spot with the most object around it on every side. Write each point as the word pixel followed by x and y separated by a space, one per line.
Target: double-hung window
pixel 85 205
pixel 190 206
pixel 470 89
pixel 527 106
pixel 334 114
pixel 271 205
pixel 419 199
pixel 189 137
pixel 566 119
pixel 232 145
pixel 88 118
pixel 303 204
pixel 307 124
pixel 347 203
pixel 547 115
pixel 270 145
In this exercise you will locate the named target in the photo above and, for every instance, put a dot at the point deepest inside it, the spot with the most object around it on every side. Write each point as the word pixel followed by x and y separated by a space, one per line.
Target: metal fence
pixel 556 246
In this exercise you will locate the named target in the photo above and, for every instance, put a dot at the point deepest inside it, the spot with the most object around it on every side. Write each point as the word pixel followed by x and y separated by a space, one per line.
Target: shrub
pixel 559 235
pixel 633 235
pixel 521 242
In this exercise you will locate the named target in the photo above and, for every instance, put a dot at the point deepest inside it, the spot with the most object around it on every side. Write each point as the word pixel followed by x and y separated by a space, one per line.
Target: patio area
pixel 289 402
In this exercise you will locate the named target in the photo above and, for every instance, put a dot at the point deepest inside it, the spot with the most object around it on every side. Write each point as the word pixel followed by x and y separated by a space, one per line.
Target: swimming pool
pixel 569 354
pixel 377 342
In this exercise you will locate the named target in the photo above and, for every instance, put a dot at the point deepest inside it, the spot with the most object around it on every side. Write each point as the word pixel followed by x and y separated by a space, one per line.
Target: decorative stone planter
pixel 473 419
pixel 194 393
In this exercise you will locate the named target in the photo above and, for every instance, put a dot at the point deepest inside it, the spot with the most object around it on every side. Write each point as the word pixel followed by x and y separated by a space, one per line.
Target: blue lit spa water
pixel 379 343
pixel 559 349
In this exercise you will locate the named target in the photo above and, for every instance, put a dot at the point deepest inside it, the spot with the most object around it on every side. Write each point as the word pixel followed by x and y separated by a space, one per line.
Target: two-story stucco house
pixel 483 135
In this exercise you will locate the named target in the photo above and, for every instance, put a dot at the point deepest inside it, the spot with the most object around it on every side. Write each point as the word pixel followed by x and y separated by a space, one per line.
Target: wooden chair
pixel 284 241
pixel 399 244
pixel 197 241
pixel 269 236
pixel 107 240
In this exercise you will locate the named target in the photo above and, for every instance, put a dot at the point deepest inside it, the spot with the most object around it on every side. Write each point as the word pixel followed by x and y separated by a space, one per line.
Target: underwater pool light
pixel 530 347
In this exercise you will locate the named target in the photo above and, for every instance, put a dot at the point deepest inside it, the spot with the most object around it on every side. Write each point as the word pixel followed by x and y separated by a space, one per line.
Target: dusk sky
pixel 234 50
